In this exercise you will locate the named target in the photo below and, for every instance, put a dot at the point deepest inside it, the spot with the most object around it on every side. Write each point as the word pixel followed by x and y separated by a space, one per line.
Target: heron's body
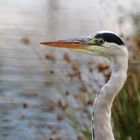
pixel 109 45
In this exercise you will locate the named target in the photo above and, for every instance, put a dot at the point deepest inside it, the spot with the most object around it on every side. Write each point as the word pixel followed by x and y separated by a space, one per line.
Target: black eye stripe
pixel 110 37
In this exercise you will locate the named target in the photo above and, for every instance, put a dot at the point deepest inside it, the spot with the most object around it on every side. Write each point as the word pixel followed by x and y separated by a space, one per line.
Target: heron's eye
pixel 100 42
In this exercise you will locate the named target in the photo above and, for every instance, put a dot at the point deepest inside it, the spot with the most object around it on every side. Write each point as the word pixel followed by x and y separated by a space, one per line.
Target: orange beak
pixel 84 45
pixel 70 44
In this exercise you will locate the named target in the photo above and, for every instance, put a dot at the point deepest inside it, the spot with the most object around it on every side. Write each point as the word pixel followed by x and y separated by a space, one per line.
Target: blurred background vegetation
pixel 126 108
pixel 47 93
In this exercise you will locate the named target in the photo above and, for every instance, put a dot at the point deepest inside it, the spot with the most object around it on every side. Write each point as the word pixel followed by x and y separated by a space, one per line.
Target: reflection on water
pixel 26 82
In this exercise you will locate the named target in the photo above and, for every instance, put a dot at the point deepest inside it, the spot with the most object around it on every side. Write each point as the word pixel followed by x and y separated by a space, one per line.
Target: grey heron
pixel 111 46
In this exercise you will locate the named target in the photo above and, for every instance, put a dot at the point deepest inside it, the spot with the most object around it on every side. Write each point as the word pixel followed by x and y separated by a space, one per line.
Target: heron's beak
pixel 74 44
pixel 85 45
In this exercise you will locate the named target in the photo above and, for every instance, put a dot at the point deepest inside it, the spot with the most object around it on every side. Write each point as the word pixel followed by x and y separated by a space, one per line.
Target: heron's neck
pixel 102 106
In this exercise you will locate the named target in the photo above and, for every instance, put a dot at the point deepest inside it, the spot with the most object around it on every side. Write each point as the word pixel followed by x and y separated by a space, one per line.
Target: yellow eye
pixel 100 42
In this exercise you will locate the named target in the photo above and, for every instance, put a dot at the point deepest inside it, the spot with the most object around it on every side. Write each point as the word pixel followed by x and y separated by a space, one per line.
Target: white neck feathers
pixel 103 102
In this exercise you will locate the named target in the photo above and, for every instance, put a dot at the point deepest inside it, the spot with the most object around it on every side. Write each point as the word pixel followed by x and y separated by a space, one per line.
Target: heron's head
pixel 103 43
